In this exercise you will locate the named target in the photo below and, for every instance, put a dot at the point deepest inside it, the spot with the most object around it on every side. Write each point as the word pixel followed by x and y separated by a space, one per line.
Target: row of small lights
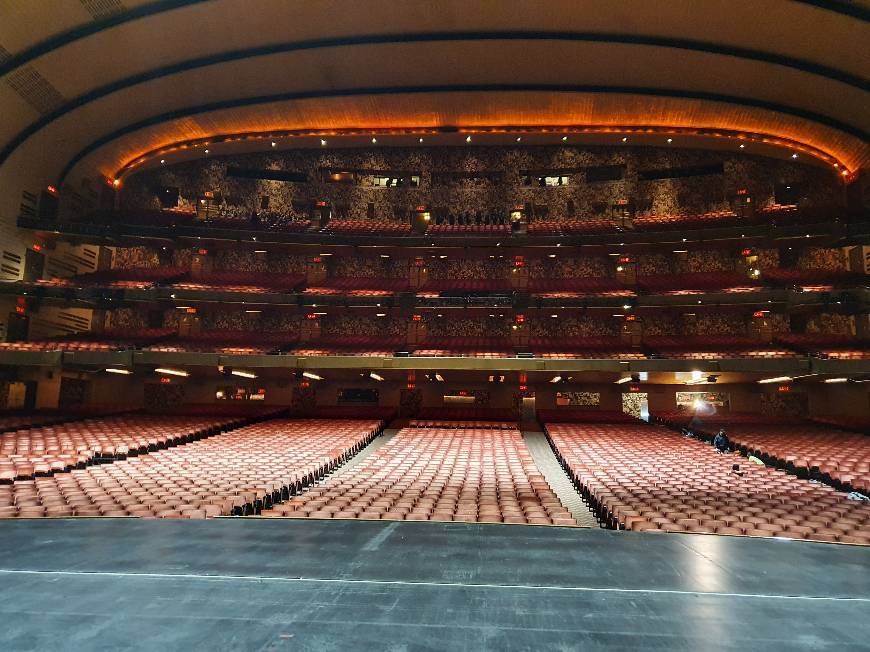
pixel 323 143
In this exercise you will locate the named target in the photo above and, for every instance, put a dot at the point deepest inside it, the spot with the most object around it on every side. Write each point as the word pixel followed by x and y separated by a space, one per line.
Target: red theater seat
pixel 643 477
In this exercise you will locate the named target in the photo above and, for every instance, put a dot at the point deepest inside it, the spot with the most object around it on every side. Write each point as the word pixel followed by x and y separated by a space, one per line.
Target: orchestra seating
pixel 468 229
pixel 453 414
pixel 572 227
pixel 589 348
pixel 568 414
pixel 468 347
pixel 684 220
pixel 110 340
pixel 843 347
pixel 852 424
pixel 221 341
pixel 236 472
pixel 248 282
pixel 59 447
pixel 438 474
pixel 713 347
pixel 842 458
pixel 697 282
pixel 642 477
pixel 368 227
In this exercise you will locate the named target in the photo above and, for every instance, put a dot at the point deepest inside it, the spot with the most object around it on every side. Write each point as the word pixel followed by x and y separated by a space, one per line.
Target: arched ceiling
pixel 102 86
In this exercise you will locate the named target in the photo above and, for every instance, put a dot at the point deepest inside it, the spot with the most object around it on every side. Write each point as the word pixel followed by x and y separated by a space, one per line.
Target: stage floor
pixel 275 584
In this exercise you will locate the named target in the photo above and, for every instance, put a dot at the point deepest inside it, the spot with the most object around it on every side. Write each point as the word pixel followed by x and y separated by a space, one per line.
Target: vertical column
pixel 520 274
pixel 416 330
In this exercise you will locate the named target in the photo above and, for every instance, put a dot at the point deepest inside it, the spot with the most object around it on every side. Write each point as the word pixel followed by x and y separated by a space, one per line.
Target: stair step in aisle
pixel 558 479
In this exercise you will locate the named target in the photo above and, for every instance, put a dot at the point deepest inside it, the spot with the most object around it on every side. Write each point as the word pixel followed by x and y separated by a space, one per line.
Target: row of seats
pixel 480 425
pixel 60 447
pixel 239 472
pixel 468 229
pixel 109 340
pixel 842 458
pixel 438 474
pixel 368 227
pixel 684 220
pixel 642 477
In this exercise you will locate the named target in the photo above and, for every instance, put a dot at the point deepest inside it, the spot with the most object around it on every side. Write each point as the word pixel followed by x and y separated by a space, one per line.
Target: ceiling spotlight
pixel 323 142
pixel 794 155
pixel 468 139
pixel 311 375
pixel 171 372
pixel 519 138
pixel 742 146
pixel 274 144
pixel 375 376
pixel 670 140
pixel 127 372
pixel 374 140
pixel 421 140
pixel 564 138
pixel 162 161
pixel 206 151
pixel 625 139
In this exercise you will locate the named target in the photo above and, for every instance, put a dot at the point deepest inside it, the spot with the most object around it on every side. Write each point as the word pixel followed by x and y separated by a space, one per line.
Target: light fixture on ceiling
pixel 162 161
pixel 794 155
pixel 439 378
pixel 374 140
pixel 742 146
pixel 243 374
pixel 311 375
pixel 556 379
pixel 670 140
pixel 323 142
pixel 627 379
pixel 274 144
pixel 421 140
pixel 625 139
pixel 778 379
pixel 171 372
pixel 468 138
pixel 375 376
pixel 206 151
pixel 564 138
pixel 827 380
pixel 116 370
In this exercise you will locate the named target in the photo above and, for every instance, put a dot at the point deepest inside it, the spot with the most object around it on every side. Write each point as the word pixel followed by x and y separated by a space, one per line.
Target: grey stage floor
pixel 258 584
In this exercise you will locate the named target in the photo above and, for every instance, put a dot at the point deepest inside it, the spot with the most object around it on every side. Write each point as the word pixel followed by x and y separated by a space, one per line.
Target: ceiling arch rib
pixel 735 75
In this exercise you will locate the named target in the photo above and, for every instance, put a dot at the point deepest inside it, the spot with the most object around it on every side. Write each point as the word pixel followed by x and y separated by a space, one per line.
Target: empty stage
pixel 274 584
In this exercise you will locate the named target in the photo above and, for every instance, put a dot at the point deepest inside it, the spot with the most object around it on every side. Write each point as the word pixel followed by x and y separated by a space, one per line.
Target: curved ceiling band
pixel 471 88
pixel 297 46
pixel 161 6
pixel 89 29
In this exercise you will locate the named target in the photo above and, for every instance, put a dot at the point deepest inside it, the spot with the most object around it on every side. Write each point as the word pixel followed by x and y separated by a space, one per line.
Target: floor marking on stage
pixel 524 587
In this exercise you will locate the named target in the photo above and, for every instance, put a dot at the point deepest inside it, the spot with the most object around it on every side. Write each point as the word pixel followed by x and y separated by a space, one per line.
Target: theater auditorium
pixel 446 325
